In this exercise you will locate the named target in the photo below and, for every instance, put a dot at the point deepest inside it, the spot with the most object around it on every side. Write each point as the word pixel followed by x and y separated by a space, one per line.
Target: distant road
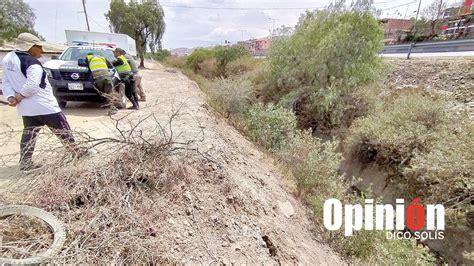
pixel 431 49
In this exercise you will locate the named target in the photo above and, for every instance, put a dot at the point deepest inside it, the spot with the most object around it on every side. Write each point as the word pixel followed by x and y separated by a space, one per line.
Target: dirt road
pixel 266 224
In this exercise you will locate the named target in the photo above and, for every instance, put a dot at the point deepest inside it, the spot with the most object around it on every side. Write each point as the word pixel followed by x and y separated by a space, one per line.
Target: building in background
pixel 257 47
pixel 458 21
pixel 395 29
pixel 249 45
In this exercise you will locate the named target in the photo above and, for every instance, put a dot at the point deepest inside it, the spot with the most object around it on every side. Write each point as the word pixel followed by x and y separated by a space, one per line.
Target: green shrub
pixel 314 165
pixel 330 53
pixel 269 125
pixel 230 97
pixel 208 69
pixel 160 55
pixel 222 55
pixel 197 57
pixel 398 129
pixel 373 248
pixel 226 54
pixel 445 174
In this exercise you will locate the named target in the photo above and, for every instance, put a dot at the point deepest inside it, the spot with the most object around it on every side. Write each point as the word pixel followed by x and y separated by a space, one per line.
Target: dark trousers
pixel 130 91
pixel 57 123
pixel 105 87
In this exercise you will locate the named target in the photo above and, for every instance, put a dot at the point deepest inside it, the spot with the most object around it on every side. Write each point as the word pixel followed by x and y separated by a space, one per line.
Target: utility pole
pixel 85 13
pixel 416 18
pixel 242 34
pixel 414 29
pixel 273 26
pixel 55 23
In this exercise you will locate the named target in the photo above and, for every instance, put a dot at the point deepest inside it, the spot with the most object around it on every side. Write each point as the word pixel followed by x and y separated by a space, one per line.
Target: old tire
pixel 55 225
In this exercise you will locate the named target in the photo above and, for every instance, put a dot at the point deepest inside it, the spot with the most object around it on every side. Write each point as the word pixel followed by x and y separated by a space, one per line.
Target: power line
pixel 85 13
pixel 399 5
pixel 240 8
pixel 100 25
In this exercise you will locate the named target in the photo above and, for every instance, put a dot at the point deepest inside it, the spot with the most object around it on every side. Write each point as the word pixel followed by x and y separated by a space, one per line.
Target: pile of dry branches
pixel 108 201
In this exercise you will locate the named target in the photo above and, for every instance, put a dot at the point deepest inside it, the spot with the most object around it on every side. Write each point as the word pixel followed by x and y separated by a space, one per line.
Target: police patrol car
pixel 72 80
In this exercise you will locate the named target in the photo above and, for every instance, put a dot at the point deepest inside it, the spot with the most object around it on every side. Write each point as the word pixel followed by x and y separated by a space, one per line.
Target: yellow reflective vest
pixel 97 62
pixel 125 67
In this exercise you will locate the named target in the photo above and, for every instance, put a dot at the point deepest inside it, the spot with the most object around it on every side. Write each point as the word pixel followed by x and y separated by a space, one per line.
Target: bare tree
pixel 432 14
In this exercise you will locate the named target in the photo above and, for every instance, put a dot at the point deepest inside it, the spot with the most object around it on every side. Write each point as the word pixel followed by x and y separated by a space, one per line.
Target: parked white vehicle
pixel 72 80
pixel 101 39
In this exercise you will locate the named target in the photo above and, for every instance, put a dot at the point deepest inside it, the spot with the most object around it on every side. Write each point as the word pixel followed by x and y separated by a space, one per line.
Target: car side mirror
pixel 81 62
pixel 54 57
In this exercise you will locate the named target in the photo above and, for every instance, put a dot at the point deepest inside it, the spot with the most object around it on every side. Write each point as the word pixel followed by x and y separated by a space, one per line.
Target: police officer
pixel 136 76
pixel 99 67
pixel 126 75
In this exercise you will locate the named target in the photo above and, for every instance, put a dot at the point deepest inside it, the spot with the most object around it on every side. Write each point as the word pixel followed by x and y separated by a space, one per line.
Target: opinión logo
pixel 422 221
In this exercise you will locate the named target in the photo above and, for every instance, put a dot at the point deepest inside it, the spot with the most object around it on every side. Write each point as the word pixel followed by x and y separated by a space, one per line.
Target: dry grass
pixel 21 237
pixel 175 61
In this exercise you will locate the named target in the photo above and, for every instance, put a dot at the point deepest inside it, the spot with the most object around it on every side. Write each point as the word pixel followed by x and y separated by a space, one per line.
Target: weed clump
pixel 270 125
pixel 231 97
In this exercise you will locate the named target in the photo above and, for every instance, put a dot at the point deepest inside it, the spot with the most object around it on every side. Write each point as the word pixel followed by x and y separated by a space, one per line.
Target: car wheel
pixel 62 104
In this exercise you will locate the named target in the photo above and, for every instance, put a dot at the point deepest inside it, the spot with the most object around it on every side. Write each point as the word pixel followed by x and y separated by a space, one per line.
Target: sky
pixel 195 23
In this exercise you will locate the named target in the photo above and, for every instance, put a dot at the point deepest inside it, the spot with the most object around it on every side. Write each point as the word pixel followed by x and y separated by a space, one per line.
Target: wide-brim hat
pixel 26 40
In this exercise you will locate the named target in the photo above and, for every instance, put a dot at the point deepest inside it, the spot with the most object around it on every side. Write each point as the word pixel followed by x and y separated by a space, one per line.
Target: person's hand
pixel 12 101
pixel 19 97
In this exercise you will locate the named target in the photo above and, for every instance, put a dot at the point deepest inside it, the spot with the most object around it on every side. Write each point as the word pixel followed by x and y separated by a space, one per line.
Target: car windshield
pixel 75 53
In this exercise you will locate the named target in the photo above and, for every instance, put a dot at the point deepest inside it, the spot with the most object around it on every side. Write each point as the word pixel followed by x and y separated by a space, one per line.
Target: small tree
pixel 197 57
pixel 432 14
pixel 328 55
pixel 224 55
pixel 143 20
pixel 15 17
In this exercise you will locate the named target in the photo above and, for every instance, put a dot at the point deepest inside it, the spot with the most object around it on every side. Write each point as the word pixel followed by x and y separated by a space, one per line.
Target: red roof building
pixel 395 28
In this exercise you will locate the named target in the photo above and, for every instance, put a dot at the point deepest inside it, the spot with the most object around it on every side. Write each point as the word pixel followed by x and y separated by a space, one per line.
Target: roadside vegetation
pixel 16 17
pixel 320 98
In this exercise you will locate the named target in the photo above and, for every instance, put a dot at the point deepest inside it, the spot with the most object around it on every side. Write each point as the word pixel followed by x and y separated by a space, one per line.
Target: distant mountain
pixel 182 51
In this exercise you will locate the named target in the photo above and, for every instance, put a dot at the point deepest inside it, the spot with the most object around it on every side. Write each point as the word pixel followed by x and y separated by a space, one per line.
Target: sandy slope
pixel 241 212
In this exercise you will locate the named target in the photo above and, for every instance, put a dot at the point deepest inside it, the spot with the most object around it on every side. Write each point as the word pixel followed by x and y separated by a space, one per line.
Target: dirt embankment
pixel 240 211
pixel 451 77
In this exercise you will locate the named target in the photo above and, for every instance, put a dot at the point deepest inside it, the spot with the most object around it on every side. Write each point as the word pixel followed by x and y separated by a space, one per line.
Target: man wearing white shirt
pixel 26 86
